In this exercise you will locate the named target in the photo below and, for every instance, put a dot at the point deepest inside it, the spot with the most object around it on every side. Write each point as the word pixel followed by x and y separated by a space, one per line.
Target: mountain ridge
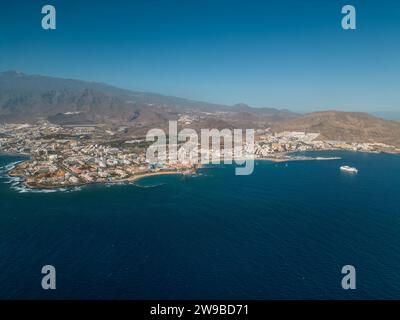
pixel 29 98
pixel 345 126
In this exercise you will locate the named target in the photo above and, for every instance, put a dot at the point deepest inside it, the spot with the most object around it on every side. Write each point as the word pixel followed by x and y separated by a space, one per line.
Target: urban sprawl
pixel 61 156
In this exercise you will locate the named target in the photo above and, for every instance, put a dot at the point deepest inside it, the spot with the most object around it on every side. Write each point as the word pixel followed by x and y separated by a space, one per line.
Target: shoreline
pixel 284 157
pixel 115 182
pixel 150 174
pixel 134 178
pixel 277 160
pixel 11 154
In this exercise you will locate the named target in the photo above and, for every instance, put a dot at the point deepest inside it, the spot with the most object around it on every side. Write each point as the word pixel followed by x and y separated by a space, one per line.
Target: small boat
pixel 349 169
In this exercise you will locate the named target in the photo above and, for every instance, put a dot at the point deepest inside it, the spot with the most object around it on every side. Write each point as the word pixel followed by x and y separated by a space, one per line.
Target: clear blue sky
pixel 285 54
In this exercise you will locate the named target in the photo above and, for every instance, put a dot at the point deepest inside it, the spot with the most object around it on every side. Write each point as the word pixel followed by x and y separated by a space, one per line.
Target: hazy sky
pixel 285 54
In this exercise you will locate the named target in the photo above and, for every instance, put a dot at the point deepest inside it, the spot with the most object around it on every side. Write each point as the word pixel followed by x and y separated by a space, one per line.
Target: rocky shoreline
pixel 16 172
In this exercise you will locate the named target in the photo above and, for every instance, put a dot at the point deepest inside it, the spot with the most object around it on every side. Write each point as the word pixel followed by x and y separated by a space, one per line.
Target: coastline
pixel 298 159
pixel 150 174
pixel 134 178
pixel 11 154
pixel 281 158
pixel 138 177
pixel 121 181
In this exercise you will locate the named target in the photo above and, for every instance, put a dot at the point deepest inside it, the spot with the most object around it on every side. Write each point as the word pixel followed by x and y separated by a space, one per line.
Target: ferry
pixel 349 169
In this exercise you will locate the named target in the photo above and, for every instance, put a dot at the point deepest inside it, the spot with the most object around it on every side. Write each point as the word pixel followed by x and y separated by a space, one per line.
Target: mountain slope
pixel 345 126
pixel 29 98
pixel 32 97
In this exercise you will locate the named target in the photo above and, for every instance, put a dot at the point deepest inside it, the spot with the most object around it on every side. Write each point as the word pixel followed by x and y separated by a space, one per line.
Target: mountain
pixel 345 126
pixel 28 98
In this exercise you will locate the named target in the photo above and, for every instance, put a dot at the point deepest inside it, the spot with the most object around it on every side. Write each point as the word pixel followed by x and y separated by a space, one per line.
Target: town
pixel 62 156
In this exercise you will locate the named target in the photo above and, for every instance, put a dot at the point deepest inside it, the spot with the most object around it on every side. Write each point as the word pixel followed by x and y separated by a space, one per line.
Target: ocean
pixel 284 232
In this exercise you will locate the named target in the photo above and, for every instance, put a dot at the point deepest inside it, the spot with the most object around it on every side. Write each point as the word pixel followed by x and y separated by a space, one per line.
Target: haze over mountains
pixel 345 126
pixel 29 98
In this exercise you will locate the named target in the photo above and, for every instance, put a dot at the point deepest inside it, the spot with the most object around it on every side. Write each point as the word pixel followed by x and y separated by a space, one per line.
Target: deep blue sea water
pixel 283 232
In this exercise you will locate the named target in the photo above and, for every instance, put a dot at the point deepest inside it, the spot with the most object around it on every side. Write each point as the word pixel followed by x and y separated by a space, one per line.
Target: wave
pixel 17 183
pixel 148 186
pixel 8 167
pixel 21 188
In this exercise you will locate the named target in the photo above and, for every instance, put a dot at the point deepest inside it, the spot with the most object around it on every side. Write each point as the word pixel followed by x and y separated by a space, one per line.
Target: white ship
pixel 349 169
